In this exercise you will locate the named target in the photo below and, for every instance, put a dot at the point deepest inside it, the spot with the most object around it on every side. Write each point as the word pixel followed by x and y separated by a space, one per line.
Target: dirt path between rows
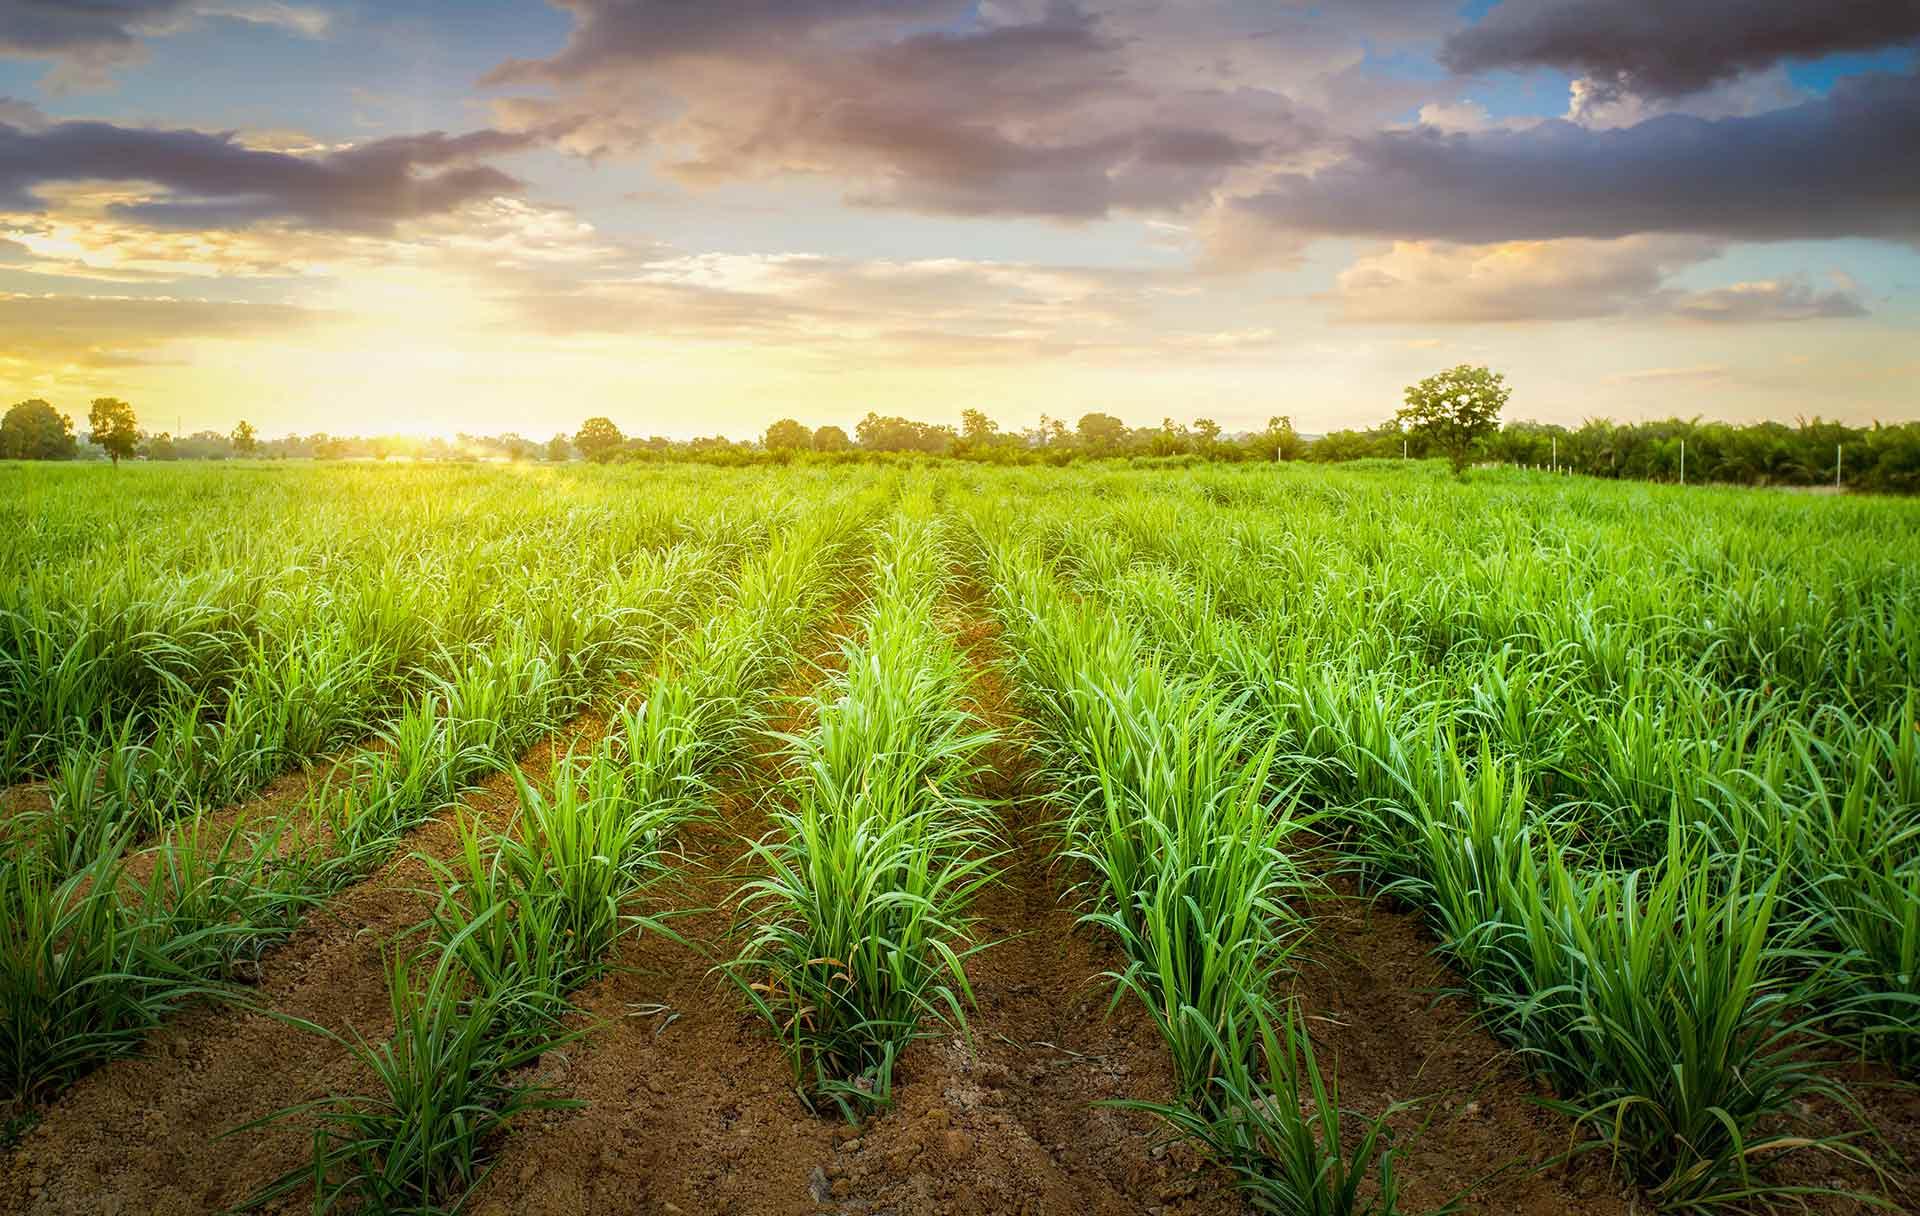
pixel 1373 993
pixel 138 1135
pixel 692 1109
pixel 1367 984
pixel 26 796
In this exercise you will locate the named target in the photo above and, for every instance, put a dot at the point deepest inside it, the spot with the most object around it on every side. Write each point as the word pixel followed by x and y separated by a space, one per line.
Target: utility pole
pixel 1556 453
pixel 1683 462
pixel 1836 465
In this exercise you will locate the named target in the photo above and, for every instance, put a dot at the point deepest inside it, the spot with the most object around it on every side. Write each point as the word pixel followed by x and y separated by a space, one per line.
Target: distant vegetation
pixel 1454 415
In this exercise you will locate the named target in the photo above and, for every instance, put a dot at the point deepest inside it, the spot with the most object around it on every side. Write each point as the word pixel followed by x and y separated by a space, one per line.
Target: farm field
pixel 935 838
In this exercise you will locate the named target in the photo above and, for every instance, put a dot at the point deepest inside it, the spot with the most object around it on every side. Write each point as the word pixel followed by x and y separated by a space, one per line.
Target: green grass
pixel 856 934
pixel 1185 841
pixel 524 917
pixel 1646 760
pixel 1273 1117
pixel 1527 714
pixel 444 1084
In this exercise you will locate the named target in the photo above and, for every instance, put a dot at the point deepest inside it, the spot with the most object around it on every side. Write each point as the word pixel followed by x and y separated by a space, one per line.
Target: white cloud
pixel 1416 282
pixel 295 18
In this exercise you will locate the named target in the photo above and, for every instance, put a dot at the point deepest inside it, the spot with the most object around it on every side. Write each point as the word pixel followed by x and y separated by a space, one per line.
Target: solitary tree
pixel 597 439
pixel 1456 408
pixel 244 441
pixel 787 435
pixel 831 439
pixel 114 427
pixel 34 430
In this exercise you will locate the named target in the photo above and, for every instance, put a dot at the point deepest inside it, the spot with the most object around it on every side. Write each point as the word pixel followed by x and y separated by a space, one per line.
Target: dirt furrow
pixel 139 1135
pixel 1383 1022
pixel 679 1089
pixel 1370 990
pixel 692 1109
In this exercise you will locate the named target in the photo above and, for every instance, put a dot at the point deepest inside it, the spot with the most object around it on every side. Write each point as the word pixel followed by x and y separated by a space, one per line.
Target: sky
pixel 698 216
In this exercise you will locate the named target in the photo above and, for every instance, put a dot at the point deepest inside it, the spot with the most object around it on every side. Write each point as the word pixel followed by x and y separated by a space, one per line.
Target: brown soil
pixel 272 806
pixel 26 796
pixel 1886 1126
pixel 1372 993
pixel 16 801
pixel 138 1135
pixel 692 1108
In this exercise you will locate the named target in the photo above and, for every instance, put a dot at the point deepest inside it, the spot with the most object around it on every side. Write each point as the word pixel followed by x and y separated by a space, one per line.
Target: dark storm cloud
pixel 1842 166
pixel 1668 48
pixel 212 181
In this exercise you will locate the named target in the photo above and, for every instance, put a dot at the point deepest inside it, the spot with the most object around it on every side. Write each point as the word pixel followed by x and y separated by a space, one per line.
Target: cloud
pixel 1772 300
pixel 831 312
pixel 1841 166
pixel 1647 48
pixel 22 114
pixel 1455 116
pixel 1704 372
pixel 294 18
pixel 214 181
pixel 93 331
pixel 1056 109
pixel 92 38
pixel 1434 282
pixel 1418 282
pixel 793 296
pixel 1596 105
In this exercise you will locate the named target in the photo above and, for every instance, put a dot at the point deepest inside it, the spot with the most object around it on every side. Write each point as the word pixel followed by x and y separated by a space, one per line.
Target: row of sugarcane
pixel 1675 894
pixel 526 914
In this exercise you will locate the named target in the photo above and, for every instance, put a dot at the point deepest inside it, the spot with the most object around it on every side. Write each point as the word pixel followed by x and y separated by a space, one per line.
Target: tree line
pixel 1816 452
pixel 1879 458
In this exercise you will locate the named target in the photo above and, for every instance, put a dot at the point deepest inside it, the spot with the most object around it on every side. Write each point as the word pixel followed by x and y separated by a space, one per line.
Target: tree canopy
pixel 1455 409
pixel 1102 432
pixel 598 439
pixel 115 428
pixel 787 435
pixel 890 434
pixel 34 430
